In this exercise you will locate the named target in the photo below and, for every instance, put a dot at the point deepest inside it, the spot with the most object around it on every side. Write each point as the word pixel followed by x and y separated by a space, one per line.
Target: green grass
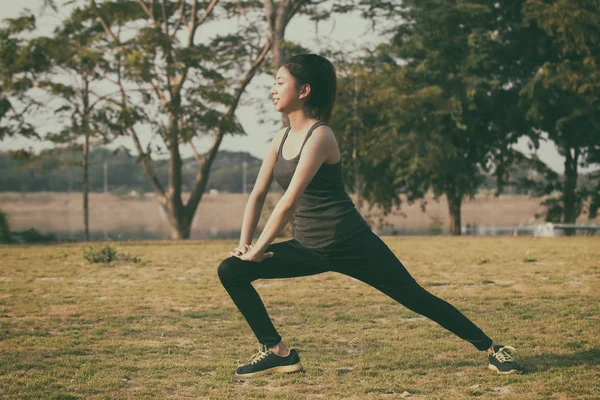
pixel 165 328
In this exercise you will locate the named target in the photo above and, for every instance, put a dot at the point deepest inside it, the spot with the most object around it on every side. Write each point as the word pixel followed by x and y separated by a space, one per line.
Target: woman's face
pixel 286 96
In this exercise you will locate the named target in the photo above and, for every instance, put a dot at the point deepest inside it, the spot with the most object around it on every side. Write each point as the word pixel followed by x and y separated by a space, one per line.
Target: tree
pixel 441 111
pixel 278 15
pixel 193 87
pixel 20 63
pixel 367 127
pixel 79 73
pixel 177 86
pixel 73 60
pixel 561 96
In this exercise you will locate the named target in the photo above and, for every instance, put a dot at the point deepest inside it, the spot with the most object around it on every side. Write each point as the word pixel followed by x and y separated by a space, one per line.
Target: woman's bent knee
pixel 227 268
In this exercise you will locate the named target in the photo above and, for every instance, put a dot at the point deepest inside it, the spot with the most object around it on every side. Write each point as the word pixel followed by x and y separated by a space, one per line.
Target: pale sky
pixel 349 31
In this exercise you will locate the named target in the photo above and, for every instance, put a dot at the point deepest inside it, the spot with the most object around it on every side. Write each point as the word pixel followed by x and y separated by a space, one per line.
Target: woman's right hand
pixel 238 251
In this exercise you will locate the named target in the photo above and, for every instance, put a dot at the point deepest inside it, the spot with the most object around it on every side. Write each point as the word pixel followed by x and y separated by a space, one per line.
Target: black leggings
pixel 364 257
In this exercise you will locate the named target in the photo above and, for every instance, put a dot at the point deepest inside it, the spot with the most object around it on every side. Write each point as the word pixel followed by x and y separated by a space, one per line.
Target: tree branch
pixel 159 93
pixel 148 11
pixel 144 157
pixel 105 25
pixel 168 53
pixel 107 29
pixel 241 86
pixel 182 20
pixel 192 27
pixel 164 13
pixel 202 176
pixel 197 156
pixel 207 12
pixel 99 99
pixel 268 4
pixel 295 9
pixel 192 31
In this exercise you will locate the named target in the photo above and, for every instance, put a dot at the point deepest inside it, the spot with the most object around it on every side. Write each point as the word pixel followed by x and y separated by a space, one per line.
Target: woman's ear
pixel 304 91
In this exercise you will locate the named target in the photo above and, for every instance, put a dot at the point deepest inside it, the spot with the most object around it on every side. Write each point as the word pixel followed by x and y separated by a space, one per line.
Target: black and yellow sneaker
pixel 502 362
pixel 266 362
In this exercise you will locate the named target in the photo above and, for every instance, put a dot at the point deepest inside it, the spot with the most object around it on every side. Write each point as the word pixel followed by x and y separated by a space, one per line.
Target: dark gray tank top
pixel 324 214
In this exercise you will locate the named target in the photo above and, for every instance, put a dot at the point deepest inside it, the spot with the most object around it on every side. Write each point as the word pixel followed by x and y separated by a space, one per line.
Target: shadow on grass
pixel 546 361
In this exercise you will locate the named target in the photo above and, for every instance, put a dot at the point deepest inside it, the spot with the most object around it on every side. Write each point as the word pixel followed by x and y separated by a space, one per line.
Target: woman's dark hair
pixel 319 73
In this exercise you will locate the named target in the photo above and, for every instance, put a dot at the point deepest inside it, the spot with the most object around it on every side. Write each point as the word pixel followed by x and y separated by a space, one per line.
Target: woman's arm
pixel 316 150
pixel 259 193
pixel 251 217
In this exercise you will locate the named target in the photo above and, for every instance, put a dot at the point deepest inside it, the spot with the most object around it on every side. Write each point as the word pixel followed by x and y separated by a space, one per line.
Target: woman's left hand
pixel 251 255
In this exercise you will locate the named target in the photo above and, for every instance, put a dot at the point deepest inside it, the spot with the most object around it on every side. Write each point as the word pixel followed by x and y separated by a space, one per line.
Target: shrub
pixel 34 236
pixel 102 253
pixel 5 235
pixel 105 253
pixel 436 225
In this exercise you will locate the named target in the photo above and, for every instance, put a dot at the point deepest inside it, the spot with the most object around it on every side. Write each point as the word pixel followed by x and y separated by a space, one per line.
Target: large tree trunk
pixel 180 224
pixel 570 188
pixel 278 16
pixel 85 187
pixel 454 207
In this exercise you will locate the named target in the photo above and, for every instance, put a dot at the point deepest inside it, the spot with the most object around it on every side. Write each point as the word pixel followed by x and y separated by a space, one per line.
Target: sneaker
pixel 266 362
pixel 502 362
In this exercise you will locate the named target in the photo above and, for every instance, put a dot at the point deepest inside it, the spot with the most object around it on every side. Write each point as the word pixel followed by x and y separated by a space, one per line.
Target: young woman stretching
pixel 329 233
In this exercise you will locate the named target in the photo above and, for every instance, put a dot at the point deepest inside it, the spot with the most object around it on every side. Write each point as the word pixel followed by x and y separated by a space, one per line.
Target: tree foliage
pixel 442 105
pixel 438 103
pixel 175 81
pixel 561 96
pixel 21 62
pixel 74 75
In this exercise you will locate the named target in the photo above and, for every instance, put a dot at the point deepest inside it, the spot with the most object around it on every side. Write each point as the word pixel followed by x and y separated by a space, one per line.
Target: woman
pixel 329 233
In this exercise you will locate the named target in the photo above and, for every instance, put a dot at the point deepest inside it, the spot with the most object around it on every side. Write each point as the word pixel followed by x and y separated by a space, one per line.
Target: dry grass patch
pixel 165 328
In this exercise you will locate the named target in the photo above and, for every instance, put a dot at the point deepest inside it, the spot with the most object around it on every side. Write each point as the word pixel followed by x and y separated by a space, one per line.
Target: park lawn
pixel 165 328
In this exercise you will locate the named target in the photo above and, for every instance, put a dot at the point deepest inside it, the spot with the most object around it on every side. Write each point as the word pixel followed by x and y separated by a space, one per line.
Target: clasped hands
pixel 247 253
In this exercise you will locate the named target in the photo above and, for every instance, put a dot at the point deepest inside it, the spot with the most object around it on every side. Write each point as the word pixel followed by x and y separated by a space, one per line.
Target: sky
pixel 348 31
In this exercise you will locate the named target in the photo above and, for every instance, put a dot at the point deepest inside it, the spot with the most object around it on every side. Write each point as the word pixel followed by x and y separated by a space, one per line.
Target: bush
pixel 128 257
pixel 102 253
pixel 5 235
pixel 105 253
pixel 436 225
pixel 33 236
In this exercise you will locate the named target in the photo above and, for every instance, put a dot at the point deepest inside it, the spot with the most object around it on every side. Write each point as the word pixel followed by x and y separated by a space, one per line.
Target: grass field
pixel 165 328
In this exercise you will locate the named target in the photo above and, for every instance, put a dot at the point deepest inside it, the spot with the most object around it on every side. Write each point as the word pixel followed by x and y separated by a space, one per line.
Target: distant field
pixel 166 329
pixel 221 214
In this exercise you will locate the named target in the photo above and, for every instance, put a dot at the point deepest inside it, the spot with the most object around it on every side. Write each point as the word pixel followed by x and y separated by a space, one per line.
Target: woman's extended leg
pixel 367 258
